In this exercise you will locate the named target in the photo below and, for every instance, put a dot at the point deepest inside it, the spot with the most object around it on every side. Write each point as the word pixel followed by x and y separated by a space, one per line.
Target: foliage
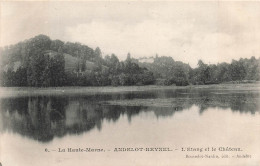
pixel 42 62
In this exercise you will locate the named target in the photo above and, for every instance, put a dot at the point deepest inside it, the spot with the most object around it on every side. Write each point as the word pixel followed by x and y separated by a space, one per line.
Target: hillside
pixel 43 62
pixel 40 61
pixel 71 62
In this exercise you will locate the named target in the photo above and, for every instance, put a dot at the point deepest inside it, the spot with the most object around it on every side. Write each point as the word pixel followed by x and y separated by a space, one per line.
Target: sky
pixel 187 31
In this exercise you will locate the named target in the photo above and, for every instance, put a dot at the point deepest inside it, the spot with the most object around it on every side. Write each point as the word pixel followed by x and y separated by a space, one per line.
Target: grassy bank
pixel 27 91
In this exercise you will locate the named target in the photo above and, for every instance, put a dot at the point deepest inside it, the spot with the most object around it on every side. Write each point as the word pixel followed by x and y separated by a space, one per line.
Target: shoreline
pixel 88 90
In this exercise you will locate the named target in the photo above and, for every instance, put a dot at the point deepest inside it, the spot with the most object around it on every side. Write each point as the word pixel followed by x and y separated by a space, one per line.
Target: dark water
pixel 44 117
pixel 163 117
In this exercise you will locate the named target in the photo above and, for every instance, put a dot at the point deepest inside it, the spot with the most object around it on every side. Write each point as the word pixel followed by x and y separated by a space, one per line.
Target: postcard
pixel 129 83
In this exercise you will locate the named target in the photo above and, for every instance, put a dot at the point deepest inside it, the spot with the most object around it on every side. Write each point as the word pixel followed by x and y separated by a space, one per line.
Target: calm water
pixel 176 119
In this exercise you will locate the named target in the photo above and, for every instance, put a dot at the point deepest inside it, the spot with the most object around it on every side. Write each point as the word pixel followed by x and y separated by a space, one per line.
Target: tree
pixel 35 70
pixel 203 72
pixel 147 77
pixel 237 70
pixel 57 69
pixel 56 45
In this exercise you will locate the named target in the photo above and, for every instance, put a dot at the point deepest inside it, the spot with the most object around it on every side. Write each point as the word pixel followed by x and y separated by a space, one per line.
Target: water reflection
pixel 44 117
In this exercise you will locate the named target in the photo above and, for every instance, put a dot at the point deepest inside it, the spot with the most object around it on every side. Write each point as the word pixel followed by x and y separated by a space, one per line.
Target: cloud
pixel 187 31
pixel 147 37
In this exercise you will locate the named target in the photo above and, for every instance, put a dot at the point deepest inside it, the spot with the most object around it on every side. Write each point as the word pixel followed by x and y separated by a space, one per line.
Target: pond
pixel 157 125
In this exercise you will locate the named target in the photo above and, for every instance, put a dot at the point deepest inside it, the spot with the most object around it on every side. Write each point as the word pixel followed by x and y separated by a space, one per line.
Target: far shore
pixel 81 90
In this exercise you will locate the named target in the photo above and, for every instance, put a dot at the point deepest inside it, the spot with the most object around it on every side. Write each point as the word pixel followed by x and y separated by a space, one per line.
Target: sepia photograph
pixel 129 83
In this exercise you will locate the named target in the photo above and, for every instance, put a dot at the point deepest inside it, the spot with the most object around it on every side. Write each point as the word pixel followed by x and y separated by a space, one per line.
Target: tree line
pixel 167 71
pixel 42 62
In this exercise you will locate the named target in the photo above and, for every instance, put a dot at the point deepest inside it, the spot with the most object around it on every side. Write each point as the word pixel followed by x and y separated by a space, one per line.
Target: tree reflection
pixel 44 117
